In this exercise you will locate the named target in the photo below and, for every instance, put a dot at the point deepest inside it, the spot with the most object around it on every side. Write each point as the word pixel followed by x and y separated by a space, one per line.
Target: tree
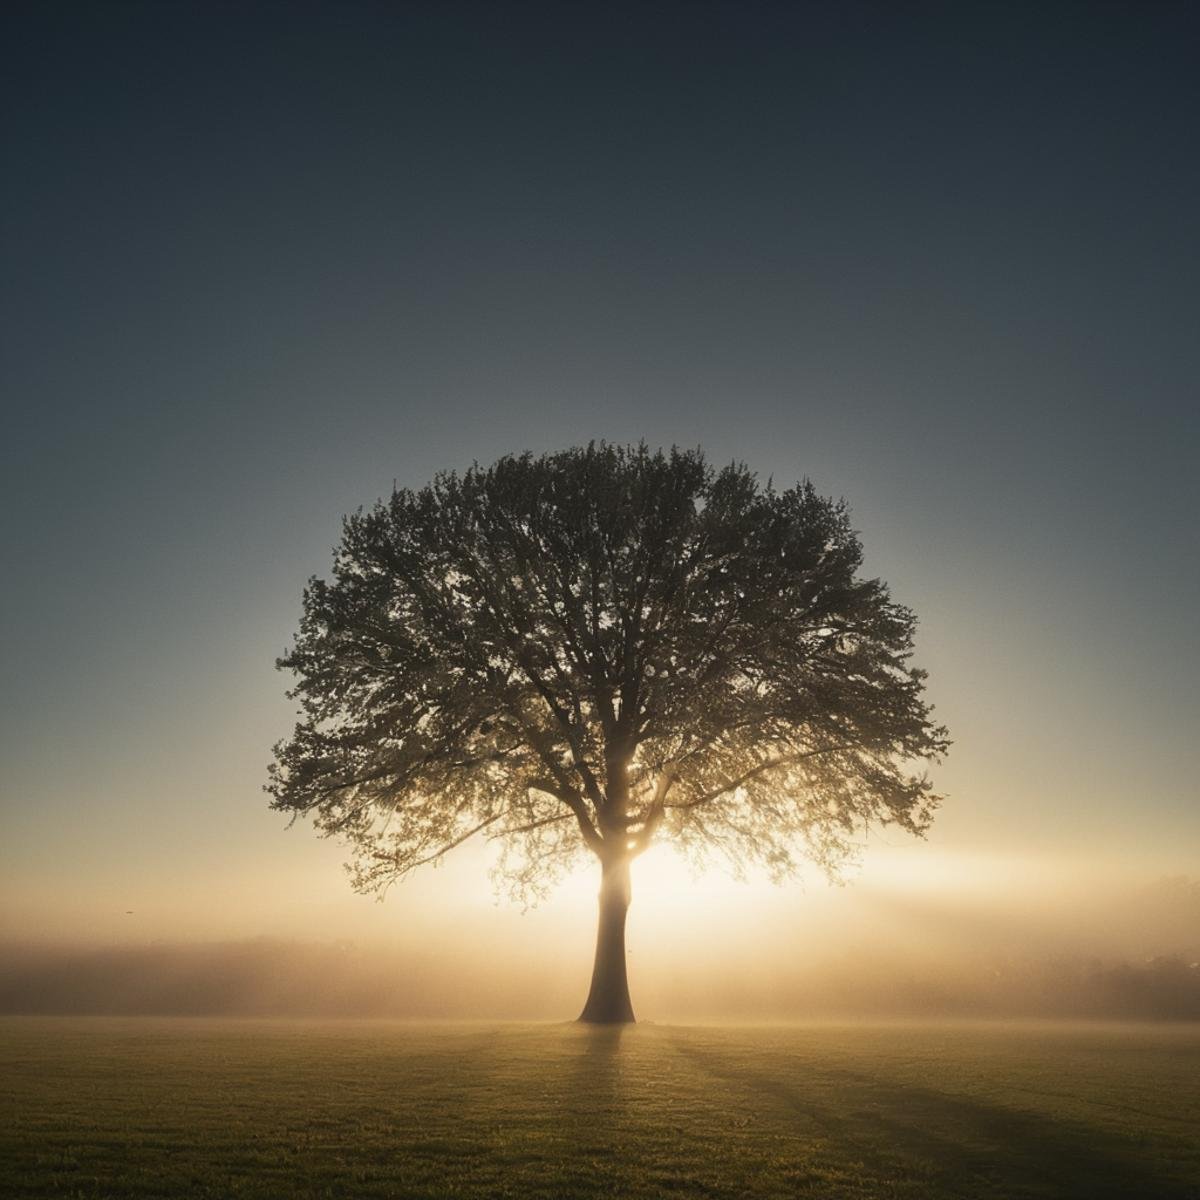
pixel 582 652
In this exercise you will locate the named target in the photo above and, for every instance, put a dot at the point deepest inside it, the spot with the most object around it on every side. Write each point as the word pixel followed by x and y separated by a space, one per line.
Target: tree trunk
pixel 608 1001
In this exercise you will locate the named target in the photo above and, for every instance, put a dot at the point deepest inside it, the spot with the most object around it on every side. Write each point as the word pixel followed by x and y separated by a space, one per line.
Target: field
pixel 194 1108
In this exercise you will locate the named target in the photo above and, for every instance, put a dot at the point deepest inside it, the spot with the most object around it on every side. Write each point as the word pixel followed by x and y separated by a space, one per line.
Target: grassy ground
pixel 147 1108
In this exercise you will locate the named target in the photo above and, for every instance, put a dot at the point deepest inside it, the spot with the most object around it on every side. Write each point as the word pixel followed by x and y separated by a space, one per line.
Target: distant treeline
pixel 1166 988
pixel 276 978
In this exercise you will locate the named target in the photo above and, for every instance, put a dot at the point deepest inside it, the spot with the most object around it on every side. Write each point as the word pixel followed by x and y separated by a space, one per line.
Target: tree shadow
pixel 957 1145
pixel 589 1105
pixel 594 1100
pixel 596 1074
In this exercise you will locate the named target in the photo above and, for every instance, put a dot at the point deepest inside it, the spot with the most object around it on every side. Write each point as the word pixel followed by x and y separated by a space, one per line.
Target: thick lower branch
pixel 654 813
pixel 575 803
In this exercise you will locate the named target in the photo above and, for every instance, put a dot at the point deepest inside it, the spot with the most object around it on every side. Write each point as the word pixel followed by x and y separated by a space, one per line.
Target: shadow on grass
pixel 959 1145
pixel 596 1074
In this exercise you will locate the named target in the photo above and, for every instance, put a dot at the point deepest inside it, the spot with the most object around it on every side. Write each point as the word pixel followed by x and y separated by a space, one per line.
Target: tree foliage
pixel 587 650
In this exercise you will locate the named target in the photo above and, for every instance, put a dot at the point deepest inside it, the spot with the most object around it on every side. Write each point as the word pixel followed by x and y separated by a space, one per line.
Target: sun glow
pixel 671 899
pixel 667 888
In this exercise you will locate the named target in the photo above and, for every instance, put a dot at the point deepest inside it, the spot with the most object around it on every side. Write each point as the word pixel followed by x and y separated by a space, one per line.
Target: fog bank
pixel 1131 953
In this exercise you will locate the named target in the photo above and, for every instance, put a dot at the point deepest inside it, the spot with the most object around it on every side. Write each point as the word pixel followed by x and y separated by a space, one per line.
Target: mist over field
pixel 1078 948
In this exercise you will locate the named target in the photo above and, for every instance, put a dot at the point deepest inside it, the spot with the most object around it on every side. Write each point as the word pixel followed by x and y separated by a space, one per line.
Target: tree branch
pixel 783 760
pixel 575 803
pixel 404 868
pixel 531 826
pixel 572 734
pixel 654 813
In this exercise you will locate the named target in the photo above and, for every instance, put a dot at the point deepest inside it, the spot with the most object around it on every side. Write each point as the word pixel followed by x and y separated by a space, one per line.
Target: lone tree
pixel 582 652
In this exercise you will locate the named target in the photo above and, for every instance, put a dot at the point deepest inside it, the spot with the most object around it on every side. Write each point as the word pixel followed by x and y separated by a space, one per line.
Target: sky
pixel 263 262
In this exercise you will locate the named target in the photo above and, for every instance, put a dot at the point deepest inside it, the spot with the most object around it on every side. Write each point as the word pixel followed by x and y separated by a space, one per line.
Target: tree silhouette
pixel 582 652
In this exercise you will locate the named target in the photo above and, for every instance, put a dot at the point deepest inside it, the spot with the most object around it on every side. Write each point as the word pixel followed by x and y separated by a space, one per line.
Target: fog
pixel 915 937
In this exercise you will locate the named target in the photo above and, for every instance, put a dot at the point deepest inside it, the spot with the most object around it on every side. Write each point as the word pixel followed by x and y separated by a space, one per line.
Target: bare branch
pixel 783 760
pixel 403 868
pixel 575 803
pixel 654 813
pixel 531 826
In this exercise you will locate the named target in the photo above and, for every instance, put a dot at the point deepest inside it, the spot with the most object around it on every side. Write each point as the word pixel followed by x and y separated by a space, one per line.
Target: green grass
pixel 191 1108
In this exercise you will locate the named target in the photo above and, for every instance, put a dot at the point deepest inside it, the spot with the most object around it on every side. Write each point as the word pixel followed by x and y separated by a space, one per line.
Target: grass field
pixel 194 1108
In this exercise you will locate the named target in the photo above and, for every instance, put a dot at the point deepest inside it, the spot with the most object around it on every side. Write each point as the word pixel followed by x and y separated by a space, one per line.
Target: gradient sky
pixel 260 261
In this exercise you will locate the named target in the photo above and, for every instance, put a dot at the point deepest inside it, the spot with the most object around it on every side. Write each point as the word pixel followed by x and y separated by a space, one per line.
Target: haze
pixel 256 274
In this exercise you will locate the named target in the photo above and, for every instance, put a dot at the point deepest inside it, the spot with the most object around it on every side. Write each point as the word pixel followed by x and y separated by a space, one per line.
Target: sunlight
pixel 924 868
pixel 667 888
pixel 664 881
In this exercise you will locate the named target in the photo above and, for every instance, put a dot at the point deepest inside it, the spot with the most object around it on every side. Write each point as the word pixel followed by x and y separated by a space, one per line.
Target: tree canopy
pixel 584 651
